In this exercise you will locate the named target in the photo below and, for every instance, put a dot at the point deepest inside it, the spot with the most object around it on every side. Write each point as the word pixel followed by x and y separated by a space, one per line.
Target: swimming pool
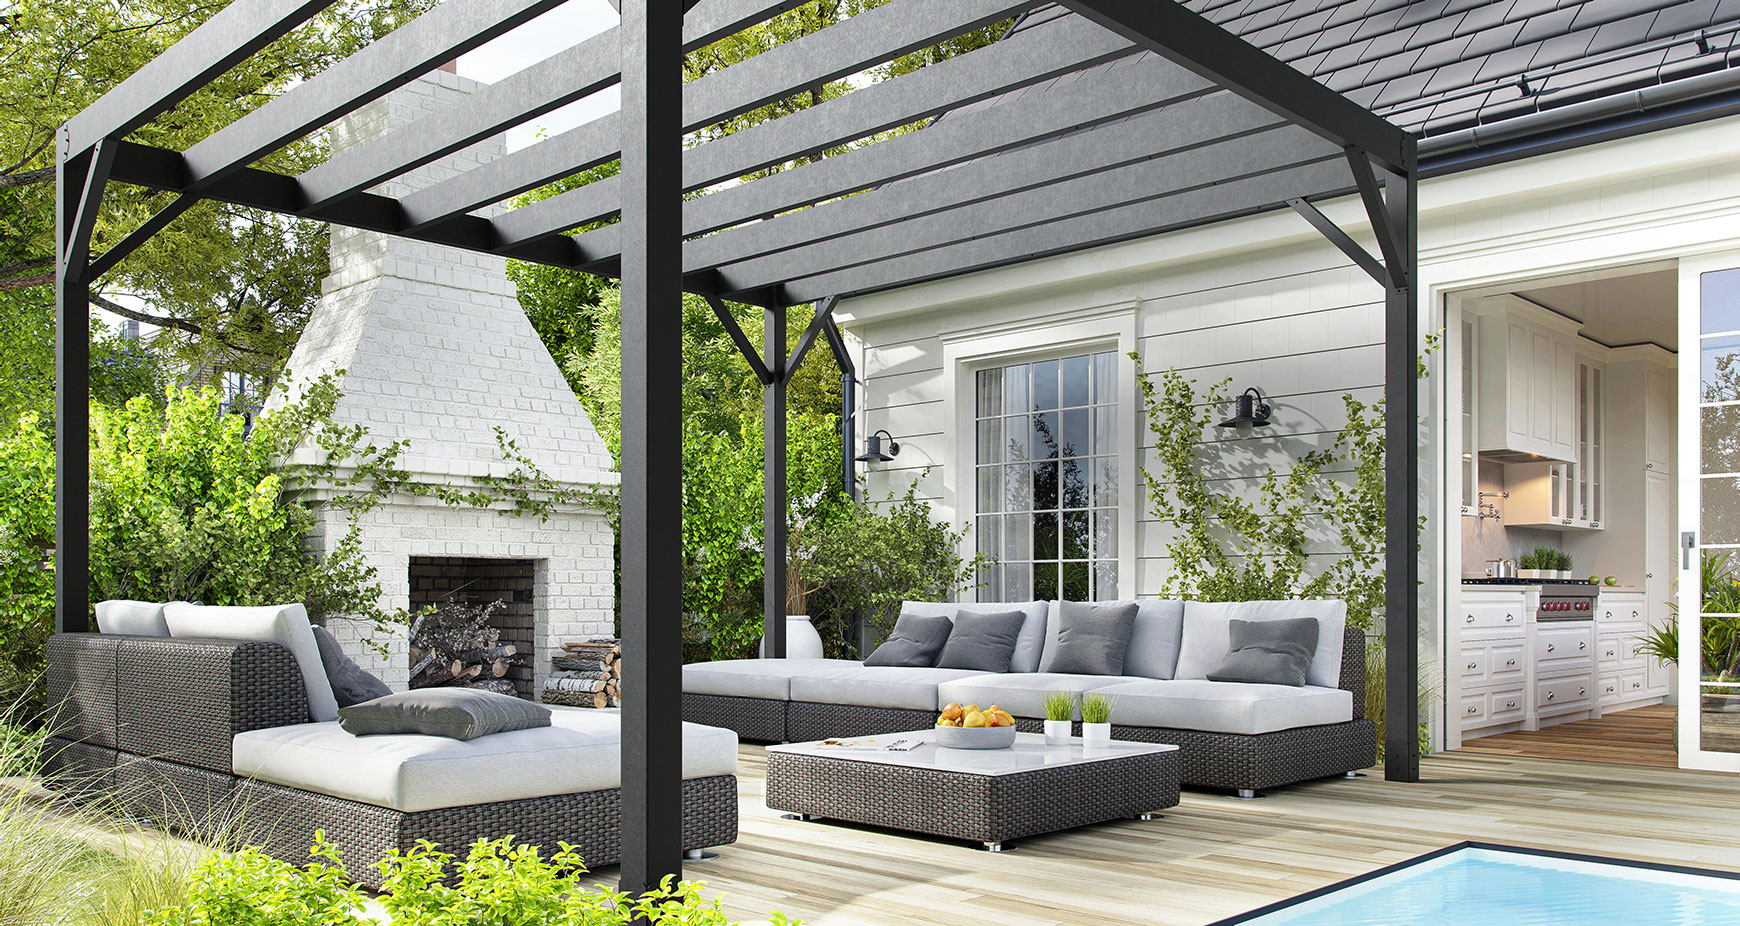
pixel 1474 884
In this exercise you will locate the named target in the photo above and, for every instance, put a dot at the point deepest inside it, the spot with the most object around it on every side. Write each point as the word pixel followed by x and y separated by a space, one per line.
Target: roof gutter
pixel 1681 102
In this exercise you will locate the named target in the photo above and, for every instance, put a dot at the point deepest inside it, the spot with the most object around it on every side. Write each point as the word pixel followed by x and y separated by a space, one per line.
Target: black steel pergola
pixel 1204 129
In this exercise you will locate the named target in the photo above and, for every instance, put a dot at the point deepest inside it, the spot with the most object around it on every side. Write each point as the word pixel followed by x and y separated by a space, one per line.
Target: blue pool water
pixel 1479 886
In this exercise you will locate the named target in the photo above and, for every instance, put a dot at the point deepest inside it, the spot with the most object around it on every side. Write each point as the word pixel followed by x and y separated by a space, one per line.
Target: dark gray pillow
pixel 351 683
pixel 1268 652
pixel 915 643
pixel 982 642
pixel 1093 638
pixel 457 713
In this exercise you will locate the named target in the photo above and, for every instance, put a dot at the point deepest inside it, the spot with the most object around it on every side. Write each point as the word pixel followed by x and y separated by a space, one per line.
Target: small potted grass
pixel 1059 711
pixel 1096 720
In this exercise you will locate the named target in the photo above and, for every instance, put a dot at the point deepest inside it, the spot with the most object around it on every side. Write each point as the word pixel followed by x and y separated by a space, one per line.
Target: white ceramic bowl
pixel 975 737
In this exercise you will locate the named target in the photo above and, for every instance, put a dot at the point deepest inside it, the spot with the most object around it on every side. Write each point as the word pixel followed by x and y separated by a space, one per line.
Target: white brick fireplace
pixel 436 350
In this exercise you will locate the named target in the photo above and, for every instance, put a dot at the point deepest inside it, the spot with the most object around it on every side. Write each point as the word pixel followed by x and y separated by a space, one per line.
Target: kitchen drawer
pixel 1610 688
pixel 1655 677
pixel 1473 710
pixel 1610 649
pixel 1633 685
pixel 1562 648
pixel 1474 662
pixel 1505 662
pixel 1505 705
pixel 1562 695
pixel 1491 615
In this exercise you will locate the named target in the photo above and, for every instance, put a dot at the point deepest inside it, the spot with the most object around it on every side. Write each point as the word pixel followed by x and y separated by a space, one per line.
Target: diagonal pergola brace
pixel 75 250
pixel 735 331
pixel 1331 231
pixel 1377 212
pixel 1186 38
pixel 824 314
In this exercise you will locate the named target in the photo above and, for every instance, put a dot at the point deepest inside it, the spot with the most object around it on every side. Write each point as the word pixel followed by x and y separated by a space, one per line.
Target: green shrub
pixel 499 883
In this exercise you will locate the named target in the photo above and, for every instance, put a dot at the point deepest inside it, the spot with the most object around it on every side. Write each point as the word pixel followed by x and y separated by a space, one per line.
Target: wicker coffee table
pixel 988 796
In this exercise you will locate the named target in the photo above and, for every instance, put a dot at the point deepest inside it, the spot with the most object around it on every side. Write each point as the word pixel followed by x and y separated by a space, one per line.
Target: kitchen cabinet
pixel 1526 369
pixel 1658 419
pixel 1470 438
pixel 1567 496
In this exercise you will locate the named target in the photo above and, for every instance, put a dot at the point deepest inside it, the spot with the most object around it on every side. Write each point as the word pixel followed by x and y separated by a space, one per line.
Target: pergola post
pixel 1401 479
pixel 773 503
pixel 80 179
pixel 652 447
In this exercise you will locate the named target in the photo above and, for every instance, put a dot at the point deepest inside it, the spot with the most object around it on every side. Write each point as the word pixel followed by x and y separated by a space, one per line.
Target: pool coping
pixel 1315 893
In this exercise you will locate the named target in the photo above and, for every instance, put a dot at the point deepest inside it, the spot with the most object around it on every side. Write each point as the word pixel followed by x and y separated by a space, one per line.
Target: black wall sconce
pixel 1252 411
pixel 873 452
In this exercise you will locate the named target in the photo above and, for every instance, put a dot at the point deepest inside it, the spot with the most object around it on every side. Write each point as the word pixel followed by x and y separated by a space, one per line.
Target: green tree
pixel 222 281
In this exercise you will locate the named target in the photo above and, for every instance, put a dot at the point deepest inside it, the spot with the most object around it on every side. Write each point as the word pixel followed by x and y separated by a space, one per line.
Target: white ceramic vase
pixel 801 639
pixel 1057 732
pixel 1096 735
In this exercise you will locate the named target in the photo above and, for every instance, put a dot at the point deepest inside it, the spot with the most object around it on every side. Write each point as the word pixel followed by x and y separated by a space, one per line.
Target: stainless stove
pixel 1567 602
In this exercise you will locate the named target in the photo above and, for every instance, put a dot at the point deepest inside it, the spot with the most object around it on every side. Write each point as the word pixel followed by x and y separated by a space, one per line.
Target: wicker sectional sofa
pixel 1236 736
pixel 213 736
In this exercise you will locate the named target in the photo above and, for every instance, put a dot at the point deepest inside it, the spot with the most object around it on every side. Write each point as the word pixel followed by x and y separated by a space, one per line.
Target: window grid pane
pixel 1047 460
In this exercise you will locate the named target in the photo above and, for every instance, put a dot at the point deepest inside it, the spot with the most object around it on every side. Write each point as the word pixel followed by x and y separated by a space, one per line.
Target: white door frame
pixel 1690 467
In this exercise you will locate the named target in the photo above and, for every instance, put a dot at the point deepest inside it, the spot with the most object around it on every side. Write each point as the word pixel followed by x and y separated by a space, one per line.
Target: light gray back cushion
pixel 1093 637
pixel 915 643
pixel 287 625
pixel 140 618
pixel 1153 651
pixel 1027 646
pixel 1207 636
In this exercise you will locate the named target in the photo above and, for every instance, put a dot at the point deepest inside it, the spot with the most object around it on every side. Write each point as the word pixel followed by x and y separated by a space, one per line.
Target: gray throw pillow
pixel 457 713
pixel 1268 652
pixel 915 643
pixel 1093 638
pixel 982 642
pixel 351 683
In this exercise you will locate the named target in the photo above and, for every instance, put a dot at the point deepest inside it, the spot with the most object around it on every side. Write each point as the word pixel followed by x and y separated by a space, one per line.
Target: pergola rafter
pixel 1192 125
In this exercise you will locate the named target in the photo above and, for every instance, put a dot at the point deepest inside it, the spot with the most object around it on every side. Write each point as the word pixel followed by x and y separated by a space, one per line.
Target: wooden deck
pixel 1644 736
pixel 1213 855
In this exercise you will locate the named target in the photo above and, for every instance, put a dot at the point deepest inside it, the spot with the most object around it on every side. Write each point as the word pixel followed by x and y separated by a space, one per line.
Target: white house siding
pixel 1267 303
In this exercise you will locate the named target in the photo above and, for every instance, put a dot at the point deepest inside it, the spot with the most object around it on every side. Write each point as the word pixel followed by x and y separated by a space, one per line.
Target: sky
pixel 559 29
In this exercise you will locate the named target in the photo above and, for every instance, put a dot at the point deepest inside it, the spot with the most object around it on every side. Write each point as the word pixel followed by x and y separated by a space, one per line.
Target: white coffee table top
pixel 1029 753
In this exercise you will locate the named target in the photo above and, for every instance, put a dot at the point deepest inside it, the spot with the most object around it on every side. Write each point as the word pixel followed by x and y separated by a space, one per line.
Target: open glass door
pixel 1709 484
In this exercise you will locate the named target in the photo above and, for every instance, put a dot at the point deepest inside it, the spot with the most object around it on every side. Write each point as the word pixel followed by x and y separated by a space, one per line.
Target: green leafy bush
pixel 499 883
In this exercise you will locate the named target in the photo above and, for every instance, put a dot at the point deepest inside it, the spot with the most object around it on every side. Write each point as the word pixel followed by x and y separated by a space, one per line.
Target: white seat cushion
pixel 1029 643
pixel 751 678
pixel 1022 694
pixel 1226 707
pixel 580 751
pixel 286 625
pixel 1207 634
pixel 913 688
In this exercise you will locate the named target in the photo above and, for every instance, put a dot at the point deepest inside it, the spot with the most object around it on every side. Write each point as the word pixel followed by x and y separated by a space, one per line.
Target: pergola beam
pixel 229 37
pixel 1170 30
pixel 1167 134
pixel 910 98
pixel 1156 179
pixel 1180 210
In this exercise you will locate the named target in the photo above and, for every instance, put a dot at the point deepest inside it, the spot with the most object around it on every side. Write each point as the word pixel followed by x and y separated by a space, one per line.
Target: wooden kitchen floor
pixel 1642 736
pixel 1213 855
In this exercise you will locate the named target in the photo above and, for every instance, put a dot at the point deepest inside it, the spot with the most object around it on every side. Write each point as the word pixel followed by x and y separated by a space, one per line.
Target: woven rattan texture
pixel 754 719
pixel 980 808
pixel 187 698
pixel 1353 668
pixel 78 770
pixel 1266 760
pixel 808 720
pixel 282 821
pixel 177 796
pixel 81 686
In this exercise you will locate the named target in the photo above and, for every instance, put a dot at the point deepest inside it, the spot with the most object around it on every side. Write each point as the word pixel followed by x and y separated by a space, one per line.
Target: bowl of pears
pixel 969 727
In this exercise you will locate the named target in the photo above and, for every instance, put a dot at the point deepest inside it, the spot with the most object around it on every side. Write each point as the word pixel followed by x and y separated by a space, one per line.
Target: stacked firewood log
pixel 587 674
pixel 455 645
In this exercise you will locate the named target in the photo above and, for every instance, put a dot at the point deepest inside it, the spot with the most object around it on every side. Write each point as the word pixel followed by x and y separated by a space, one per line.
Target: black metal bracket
pixel 824 312
pixel 741 340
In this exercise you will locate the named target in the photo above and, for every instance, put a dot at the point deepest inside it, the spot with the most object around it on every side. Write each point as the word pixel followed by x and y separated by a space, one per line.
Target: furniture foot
pixel 1147 816
pixel 699 855
pixel 1353 774
pixel 995 847
pixel 1249 794
pixel 800 817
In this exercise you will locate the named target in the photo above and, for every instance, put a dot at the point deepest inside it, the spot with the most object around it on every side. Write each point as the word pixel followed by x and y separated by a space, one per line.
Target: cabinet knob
pixel 1551 695
pixel 1609 689
pixel 1472 666
pixel 1649 466
pixel 1510 617
pixel 1634 612
pixel 1609 652
pixel 1473 710
pixel 1510 704
pixel 1549 647
pixel 1469 619
pixel 1582 644
pixel 1637 684
pixel 1509 662
pixel 1582 691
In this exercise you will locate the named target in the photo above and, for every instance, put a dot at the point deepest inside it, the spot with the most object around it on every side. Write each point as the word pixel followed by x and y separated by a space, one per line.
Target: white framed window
pixel 1046 477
